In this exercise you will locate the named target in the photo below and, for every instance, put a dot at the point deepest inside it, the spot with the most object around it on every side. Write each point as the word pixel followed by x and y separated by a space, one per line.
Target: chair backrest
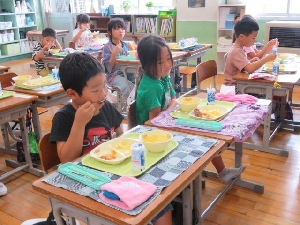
pixel 131 115
pixel 204 71
pixel 6 79
pixel 48 153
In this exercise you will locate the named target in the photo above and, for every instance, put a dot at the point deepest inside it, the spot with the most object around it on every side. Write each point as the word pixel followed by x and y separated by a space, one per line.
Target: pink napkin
pixel 131 191
pixel 243 98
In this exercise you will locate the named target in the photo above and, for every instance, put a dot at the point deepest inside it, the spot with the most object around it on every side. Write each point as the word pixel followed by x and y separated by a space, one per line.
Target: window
pixel 274 9
pixel 138 6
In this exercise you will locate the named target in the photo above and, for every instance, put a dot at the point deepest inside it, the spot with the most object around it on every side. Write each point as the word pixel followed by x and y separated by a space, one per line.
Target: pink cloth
pixel 243 98
pixel 131 191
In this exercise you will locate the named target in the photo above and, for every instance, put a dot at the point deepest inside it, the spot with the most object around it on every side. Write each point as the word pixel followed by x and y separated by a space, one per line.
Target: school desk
pixel 162 121
pixel 93 212
pixel 52 61
pixel 37 34
pixel 266 88
pixel 15 108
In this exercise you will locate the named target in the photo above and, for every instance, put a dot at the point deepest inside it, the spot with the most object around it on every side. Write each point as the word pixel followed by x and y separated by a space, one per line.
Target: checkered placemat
pixel 190 149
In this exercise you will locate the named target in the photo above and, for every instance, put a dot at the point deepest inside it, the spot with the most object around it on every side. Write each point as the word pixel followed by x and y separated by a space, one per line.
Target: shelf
pixel 8 42
pixel 21 53
pixel 232 5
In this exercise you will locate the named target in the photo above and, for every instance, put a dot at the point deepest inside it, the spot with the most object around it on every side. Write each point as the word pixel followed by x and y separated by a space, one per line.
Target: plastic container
pixel 275 69
pixel 211 96
pixel 138 157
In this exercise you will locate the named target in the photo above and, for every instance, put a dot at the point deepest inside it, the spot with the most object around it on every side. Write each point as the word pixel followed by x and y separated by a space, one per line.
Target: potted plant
pixel 126 5
pixel 149 6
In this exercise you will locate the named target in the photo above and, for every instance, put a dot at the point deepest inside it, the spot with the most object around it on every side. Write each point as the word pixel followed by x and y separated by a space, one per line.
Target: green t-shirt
pixel 151 93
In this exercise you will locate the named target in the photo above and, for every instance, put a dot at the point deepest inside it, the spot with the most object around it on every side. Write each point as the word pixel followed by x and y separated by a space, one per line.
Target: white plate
pixel 212 112
pixel 107 155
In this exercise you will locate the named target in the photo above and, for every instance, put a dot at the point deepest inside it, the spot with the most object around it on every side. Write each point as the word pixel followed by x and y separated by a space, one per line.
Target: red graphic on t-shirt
pixel 95 136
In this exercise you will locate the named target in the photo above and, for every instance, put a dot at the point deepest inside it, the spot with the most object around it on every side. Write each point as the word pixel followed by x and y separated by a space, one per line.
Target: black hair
pixel 82 18
pixel 49 32
pixel 76 69
pixel 245 26
pixel 149 49
pixel 115 23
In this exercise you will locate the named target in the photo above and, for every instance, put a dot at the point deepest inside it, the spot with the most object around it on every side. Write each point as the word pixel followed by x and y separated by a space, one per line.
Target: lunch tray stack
pixel 202 124
pixel 84 175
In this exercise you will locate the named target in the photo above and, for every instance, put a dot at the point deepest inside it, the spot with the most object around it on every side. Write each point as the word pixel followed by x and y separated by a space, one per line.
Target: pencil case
pixel 202 124
pixel 84 175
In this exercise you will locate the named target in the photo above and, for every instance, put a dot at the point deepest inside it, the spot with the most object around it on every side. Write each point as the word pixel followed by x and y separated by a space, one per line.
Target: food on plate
pixel 189 100
pixel 124 147
pixel 109 156
pixel 39 81
pixel 156 137
pixel 209 112
pixel 187 104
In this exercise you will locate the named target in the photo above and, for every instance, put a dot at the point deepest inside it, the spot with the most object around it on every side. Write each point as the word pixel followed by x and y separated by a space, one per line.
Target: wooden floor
pixel 279 204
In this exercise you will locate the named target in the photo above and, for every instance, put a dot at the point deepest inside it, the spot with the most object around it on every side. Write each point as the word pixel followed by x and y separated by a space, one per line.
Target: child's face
pixel 83 25
pixel 47 41
pixel 118 33
pixel 249 40
pixel 95 92
pixel 164 63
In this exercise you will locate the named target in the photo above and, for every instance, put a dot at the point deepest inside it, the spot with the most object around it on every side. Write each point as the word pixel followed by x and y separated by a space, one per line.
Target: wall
pixel 202 24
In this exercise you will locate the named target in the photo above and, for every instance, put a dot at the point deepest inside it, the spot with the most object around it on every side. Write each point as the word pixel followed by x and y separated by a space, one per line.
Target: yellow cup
pixel 132 53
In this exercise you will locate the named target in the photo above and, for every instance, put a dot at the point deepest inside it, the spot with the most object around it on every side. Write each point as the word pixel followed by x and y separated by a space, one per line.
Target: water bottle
pixel 1 90
pixel 274 49
pixel 211 96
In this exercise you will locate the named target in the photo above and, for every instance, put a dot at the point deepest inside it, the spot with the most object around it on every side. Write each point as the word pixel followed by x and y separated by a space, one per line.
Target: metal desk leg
pixel 7 147
pixel 36 121
pixel 197 192
pixel 187 204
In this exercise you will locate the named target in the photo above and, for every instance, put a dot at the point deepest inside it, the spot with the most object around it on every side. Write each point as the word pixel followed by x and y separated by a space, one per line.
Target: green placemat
pixel 7 94
pixel 125 168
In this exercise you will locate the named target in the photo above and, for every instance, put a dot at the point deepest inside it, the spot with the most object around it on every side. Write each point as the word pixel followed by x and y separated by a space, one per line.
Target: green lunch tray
pixel 125 167
pixel 84 175
pixel 7 94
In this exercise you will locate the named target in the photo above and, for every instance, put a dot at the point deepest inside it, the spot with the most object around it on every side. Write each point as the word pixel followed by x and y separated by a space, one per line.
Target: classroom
pixel 137 112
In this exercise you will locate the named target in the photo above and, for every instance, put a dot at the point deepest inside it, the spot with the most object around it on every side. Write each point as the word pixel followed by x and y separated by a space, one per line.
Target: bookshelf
pixel 226 14
pixel 98 22
pixel 163 24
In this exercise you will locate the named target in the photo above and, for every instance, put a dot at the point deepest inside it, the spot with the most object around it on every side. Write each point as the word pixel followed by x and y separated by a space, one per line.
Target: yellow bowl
pixel 187 104
pixel 156 140
pixel 19 80
pixel 54 51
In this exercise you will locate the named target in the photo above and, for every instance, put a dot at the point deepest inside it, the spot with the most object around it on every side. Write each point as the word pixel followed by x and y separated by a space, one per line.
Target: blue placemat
pixel 190 149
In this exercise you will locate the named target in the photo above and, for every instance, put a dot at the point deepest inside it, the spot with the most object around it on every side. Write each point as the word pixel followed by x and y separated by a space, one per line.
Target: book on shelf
pixel 146 24
pixel 166 27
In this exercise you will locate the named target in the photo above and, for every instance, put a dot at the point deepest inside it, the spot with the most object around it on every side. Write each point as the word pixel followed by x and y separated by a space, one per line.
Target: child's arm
pixel 71 149
pixel 266 49
pixel 77 36
pixel 119 131
pixel 154 112
pixel 113 57
pixel 41 53
pixel 251 67
pixel 173 103
pixel 57 44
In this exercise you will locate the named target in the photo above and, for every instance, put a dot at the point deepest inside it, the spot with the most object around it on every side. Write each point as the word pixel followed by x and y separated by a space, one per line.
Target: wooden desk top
pixel 117 217
pixel 32 33
pixel 42 93
pixel 283 78
pixel 59 59
pixel 16 100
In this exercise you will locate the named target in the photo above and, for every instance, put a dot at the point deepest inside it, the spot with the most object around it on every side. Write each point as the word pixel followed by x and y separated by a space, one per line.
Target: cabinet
pixel 226 14
pixel 98 22
pixel 14 24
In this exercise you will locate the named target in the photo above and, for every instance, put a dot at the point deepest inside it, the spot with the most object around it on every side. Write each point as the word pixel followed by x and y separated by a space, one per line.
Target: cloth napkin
pixel 131 192
pixel 243 98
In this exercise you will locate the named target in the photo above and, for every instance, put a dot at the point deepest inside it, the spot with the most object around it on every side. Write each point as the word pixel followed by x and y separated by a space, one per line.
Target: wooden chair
pixel 6 79
pixel 48 153
pixel 131 115
pixel 186 71
pixel 204 71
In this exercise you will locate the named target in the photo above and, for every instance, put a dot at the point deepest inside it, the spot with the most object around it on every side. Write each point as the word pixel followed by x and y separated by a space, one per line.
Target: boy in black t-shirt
pixel 89 119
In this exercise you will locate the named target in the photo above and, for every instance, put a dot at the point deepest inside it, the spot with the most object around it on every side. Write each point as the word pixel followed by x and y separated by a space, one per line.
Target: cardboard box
pixel 10 49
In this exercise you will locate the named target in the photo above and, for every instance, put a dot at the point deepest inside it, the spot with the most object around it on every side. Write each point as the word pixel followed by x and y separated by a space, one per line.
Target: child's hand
pixel 271 43
pixel 83 28
pixel 117 49
pixel 254 59
pixel 47 46
pixel 270 57
pixel 85 113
